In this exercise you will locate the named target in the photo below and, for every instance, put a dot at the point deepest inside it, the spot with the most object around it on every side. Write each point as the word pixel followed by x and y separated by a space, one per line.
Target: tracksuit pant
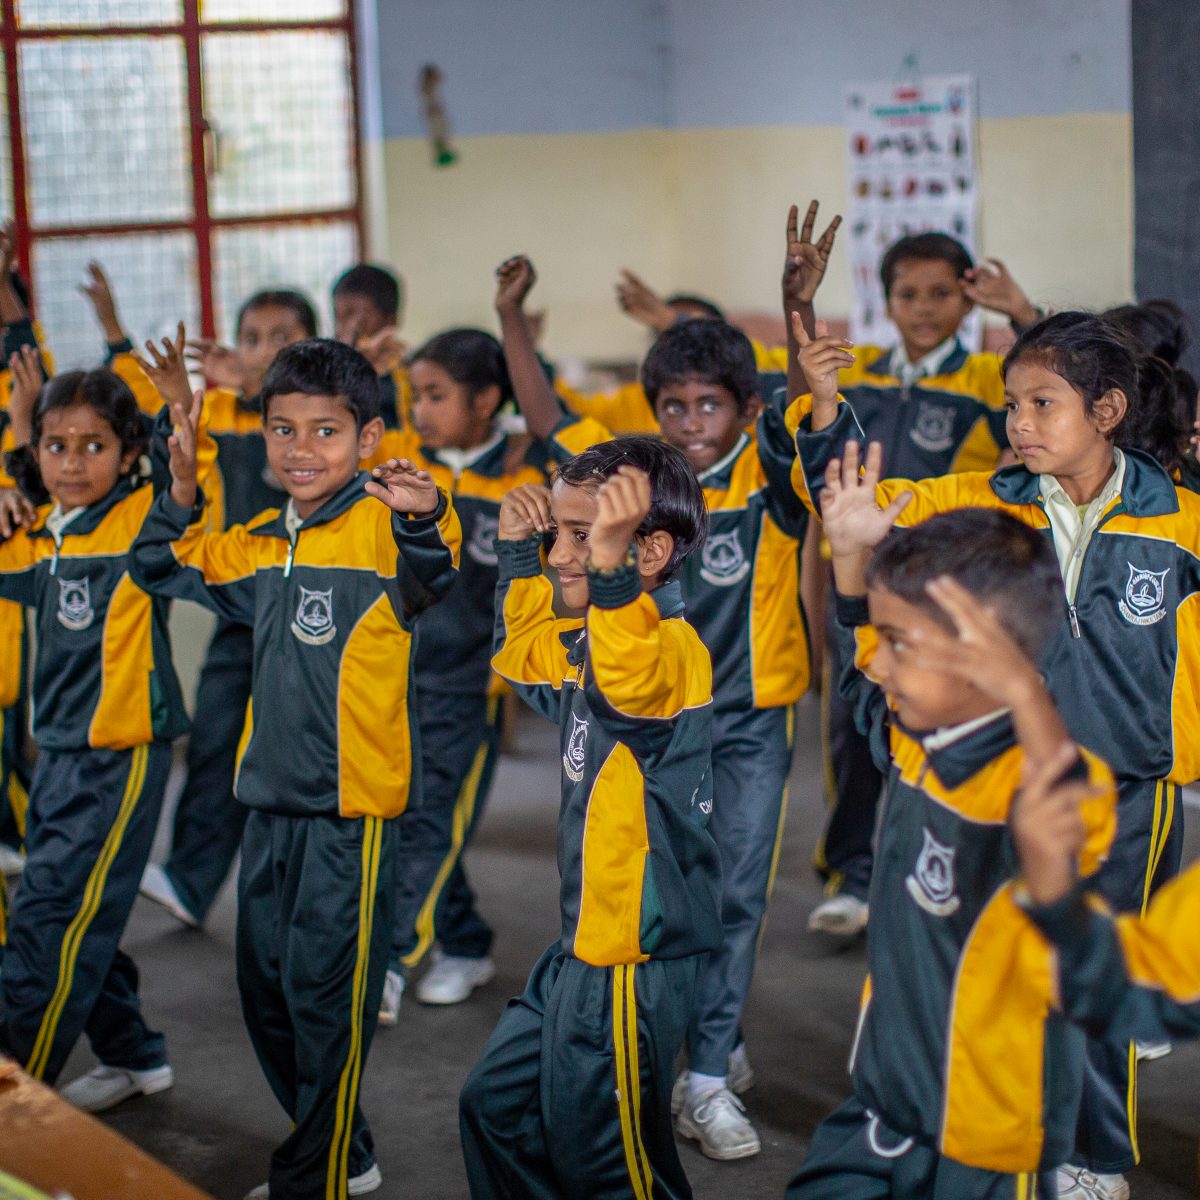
pixel 208 820
pixel 14 775
pixel 1145 854
pixel 845 853
pixel 751 758
pixel 92 816
pixel 315 899
pixel 853 1155
pixel 572 1096
pixel 459 742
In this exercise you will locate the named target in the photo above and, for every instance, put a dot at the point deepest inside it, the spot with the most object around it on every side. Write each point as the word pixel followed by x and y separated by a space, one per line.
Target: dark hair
pixel 940 247
pixel 470 357
pixel 376 284
pixel 296 302
pixel 106 393
pixel 1094 357
pixel 322 367
pixel 713 351
pixel 676 502
pixel 692 301
pixel 1000 561
pixel 1158 327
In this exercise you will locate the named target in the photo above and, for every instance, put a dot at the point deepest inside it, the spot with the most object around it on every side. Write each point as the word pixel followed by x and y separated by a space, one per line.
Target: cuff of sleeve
pixel 19 333
pixel 519 560
pixel 616 588
pixel 568 419
pixel 412 523
pixel 851 611
pixel 183 517
pixel 115 349
pixel 1062 922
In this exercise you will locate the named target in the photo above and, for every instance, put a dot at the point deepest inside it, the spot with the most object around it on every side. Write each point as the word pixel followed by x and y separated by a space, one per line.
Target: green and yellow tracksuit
pixel 966 1081
pixel 325 763
pixel 572 1094
pixel 107 704
pixel 1124 669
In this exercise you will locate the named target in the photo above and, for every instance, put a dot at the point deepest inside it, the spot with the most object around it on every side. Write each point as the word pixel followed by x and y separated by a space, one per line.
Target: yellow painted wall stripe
pixel 629 1088
pixel 93 893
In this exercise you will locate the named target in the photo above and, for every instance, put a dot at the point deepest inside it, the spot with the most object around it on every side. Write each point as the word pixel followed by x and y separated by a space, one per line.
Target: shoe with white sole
pixel 370 1180
pixel 739 1080
pixel 393 993
pixel 104 1087
pixel 156 885
pixel 842 915
pixel 1078 1183
pixel 12 861
pixel 1151 1051
pixel 451 979
pixel 719 1123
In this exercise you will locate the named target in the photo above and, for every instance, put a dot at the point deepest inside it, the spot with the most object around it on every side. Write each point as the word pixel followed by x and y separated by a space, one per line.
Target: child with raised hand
pixel 331 586
pixel 572 1094
pixel 368 307
pixel 742 592
pixel 459 381
pixel 1126 537
pixel 966 1084
pixel 107 704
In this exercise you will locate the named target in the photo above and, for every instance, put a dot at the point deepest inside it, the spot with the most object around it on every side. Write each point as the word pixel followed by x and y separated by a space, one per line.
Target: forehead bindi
pixel 80 420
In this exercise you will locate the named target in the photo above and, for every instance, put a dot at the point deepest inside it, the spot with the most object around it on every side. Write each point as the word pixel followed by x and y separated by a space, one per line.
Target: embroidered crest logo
pixel 314 617
pixel 75 603
pixel 576 749
pixel 1145 593
pixel 931 884
pixel 723 562
pixel 482 547
pixel 933 429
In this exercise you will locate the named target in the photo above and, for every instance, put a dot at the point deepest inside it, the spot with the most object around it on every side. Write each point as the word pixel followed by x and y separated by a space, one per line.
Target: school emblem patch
pixel 576 749
pixel 75 603
pixel 933 429
pixel 723 562
pixel 482 547
pixel 1145 593
pixel 931 884
pixel 314 617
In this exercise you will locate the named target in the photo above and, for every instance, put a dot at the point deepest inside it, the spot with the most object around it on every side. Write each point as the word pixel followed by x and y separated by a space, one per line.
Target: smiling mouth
pixel 303 476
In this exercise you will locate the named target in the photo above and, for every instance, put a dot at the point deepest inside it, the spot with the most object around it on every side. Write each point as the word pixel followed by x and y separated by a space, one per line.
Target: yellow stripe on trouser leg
pixel 93 893
pixel 629 1085
pixel 336 1178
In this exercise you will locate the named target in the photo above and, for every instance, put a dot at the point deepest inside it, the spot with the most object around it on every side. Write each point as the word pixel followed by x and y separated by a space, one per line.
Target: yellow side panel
pixel 123 718
pixel 781 670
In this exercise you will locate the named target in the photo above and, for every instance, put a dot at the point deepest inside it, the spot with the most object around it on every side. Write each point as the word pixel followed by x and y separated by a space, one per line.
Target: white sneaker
pixel 393 993
pixel 1151 1051
pixel 719 1123
pixel 451 979
pixel 357 1185
pixel 1078 1183
pixel 157 886
pixel 843 916
pixel 12 862
pixel 740 1079
pixel 104 1087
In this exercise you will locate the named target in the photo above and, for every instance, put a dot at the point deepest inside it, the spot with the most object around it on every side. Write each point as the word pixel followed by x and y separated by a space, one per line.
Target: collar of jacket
pixel 719 474
pixel 967 756
pixel 668 599
pixel 337 504
pixel 489 464
pixel 1148 490
pixel 883 366
pixel 89 520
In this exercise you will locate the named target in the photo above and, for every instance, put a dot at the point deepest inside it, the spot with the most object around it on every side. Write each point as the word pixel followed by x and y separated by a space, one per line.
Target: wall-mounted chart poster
pixel 911 152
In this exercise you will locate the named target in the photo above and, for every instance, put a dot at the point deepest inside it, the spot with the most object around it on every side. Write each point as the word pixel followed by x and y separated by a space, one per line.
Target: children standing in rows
pixel 332 585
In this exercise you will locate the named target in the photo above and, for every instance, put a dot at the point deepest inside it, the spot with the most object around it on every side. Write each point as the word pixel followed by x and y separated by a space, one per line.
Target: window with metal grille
pixel 199 149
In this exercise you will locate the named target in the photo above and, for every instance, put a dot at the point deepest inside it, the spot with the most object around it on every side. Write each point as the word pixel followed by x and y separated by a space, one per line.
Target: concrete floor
pixel 219 1123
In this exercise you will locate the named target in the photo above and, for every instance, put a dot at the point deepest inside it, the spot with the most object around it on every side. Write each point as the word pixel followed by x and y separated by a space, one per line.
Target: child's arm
pixel 641 302
pixel 803 269
pixel 221 366
pixel 425 531
pixel 18 555
pixel 991 286
pixel 528 646
pixel 99 294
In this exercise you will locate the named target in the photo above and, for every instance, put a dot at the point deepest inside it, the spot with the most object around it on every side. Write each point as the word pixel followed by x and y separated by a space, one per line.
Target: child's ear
pixel 370 437
pixel 751 409
pixel 129 460
pixel 654 552
pixel 487 400
pixel 1109 411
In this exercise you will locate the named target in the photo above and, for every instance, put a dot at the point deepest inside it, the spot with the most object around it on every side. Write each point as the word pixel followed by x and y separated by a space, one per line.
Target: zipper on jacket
pixel 57 536
pixel 291 554
pixel 1073 616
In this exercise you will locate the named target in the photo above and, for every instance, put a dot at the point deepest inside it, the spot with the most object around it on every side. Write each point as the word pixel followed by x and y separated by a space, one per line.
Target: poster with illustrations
pixel 911 150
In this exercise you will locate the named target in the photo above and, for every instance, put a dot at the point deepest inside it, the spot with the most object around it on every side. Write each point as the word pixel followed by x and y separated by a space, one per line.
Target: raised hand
pixel 621 506
pixel 25 371
pixel 851 517
pixel 167 369
pixel 525 512
pixel 806 260
pixel 820 359
pixel 182 447
pixel 383 349
pixel 99 293
pixel 11 308
pixel 16 512
pixel 515 278
pixel 403 487
pixel 221 366
pixel 991 286
pixel 641 302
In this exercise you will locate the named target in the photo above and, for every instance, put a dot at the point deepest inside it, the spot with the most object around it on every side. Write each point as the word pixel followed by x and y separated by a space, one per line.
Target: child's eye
pixel 581 535
pixel 1043 401
pixel 95 447
pixel 326 431
pixel 54 447
pixel 281 430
